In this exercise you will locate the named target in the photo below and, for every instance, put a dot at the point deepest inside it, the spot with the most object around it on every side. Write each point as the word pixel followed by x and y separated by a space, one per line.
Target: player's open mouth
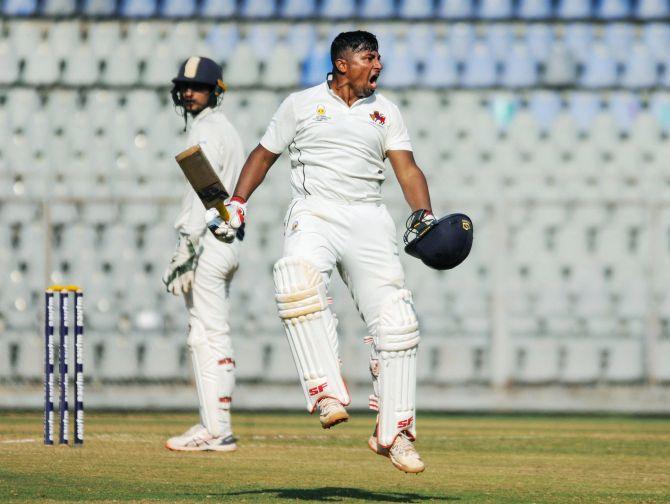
pixel 373 81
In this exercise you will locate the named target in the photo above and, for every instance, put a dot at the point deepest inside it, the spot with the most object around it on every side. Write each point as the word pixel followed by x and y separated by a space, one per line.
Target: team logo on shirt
pixel 321 113
pixel 378 118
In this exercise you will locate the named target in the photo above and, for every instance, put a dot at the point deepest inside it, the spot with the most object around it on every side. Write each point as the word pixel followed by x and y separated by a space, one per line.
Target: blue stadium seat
pixel 613 9
pixel 619 37
pixel 137 8
pixel 579 38
pixel 455 9
pixel 652 9
pixel 657 38
pixel 534 9
pixel 177 8
pixel 400 66
pixel 301 39
pixel 19 7
pixel 298 8
pixel 640 68
pixel 317 66
pixel 415 9
pixel 584 107
pixel 221 40
pixel 480 69
pixel 218 8
pixel 574 9
pixel 441 68
pixel 257 8
pixel 98 7
pixel 338 8
pixel 495 9
pixel 423 39
pixel 376 9
pixel 624 107
pixel 460 40
pixel 545 107
pixel 499 38
pixel 539 38
pixel 520 69
pixel 600 70
pixel 262 37
pixel 58 7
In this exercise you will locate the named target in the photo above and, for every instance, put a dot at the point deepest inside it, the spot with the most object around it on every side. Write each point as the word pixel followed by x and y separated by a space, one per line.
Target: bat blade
pixel 204 180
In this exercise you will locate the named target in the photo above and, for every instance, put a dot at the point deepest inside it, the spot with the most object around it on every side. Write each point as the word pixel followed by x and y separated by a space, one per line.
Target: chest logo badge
pixel 321 113
pixel 378 118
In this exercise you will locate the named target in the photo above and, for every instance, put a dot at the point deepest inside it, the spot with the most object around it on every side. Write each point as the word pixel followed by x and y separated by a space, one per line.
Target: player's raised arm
pixel 411 179
pixel 253 172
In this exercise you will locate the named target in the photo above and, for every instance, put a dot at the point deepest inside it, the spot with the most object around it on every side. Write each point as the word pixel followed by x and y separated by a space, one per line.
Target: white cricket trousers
pixel 208 307
pixel 357 238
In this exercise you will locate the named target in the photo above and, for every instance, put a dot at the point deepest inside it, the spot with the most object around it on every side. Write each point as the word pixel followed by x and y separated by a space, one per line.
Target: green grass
pixel 289 458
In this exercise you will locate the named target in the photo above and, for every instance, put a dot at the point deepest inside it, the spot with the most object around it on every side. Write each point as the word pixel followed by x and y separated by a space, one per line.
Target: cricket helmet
pixel 442 244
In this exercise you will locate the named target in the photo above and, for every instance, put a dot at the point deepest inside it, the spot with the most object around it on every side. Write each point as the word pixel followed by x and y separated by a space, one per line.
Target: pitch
pixel 286 457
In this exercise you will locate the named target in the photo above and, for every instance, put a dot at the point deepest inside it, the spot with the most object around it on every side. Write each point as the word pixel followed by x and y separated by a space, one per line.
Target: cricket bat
pixel 203 178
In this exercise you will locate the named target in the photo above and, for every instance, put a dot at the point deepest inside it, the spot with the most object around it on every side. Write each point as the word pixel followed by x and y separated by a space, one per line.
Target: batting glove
pixel 179 275
pixel 224 230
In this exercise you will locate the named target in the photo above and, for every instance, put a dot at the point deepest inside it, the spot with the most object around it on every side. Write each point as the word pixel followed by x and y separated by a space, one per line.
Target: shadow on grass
pixel 336 494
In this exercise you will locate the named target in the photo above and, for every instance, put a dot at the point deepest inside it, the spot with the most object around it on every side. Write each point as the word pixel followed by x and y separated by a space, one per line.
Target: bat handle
pixel 222 211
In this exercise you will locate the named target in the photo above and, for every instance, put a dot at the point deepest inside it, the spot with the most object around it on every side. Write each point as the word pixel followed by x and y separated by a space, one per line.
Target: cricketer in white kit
pixel 338 135
pixel 203 266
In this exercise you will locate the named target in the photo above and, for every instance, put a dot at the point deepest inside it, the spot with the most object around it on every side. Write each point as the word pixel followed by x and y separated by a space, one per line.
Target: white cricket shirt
pixel 223 147
pixel 336 151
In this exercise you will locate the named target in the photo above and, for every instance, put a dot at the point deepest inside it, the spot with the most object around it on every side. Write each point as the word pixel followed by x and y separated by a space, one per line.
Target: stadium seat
pixel 42 67
pixel 317 65
pixel 400 67
pixel 242 67
pixel 455 9
pixel 221 40
pixel 100 8
pixel 376 9
pixel 613 9
pixel 540 39
pixel 333 9
pixel 218 8
pixel 652 9
pixel 520 69
pixel 574 9
pixel 561 68
pixel 657 37
pixel 534 9
pixel 300 39
pixel 535 360
pixel 619 37
pixel 121 66
pixel 58 7
pixel 261 38
pixel 640 68
pixel 282 69
pixel 257 8
pixel 82 67
pixel 460 40
pixel 415 9
pixel 499 38
pixel 160 68
pixel 495 9
pixel 480 70
pixel 103 37
pixel 600 70
pixel 19 7
pixel 137 8
pixel 9 65
pixel 177 8
pixel 298 9
pixel 579 38
pixel 441 68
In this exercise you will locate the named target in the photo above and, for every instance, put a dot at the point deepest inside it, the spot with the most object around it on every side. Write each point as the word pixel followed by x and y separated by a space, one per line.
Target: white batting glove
pixel 179 275
pixel 227 230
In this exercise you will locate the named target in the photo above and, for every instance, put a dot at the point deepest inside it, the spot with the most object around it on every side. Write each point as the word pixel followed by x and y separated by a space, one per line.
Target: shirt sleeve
pixel 282 128
pixel 191 218
pixel 397 136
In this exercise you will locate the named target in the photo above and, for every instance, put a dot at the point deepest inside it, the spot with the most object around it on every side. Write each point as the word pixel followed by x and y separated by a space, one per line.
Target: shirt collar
pixel 332 93
pixel 205 112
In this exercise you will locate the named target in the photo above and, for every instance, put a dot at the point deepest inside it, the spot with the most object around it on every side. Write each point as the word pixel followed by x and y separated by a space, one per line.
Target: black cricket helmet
pixel 199 70
pixel 441 245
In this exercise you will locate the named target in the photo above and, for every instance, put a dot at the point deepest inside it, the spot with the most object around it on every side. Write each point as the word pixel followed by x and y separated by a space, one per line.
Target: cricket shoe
pixel 331 412
pixel 197 438
pixel 402 453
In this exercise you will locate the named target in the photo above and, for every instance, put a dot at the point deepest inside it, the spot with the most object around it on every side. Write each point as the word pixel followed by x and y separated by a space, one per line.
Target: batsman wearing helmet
pixel 203 266
pixel 338 135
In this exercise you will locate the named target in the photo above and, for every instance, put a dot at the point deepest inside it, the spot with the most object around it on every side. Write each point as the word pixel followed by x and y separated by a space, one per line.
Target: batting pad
pixel 310 328
pixel 206 373
pixel 396 344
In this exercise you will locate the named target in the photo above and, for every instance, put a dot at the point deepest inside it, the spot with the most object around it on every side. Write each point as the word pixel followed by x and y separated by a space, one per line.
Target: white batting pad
pixel 396 344
pixel 310 328
pixel 206 374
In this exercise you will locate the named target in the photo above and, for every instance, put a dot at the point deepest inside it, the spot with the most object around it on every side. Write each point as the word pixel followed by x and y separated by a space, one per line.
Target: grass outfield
pixel 289 458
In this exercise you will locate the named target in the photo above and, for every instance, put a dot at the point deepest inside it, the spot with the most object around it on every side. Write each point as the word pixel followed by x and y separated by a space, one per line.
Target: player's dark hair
pixel 354 41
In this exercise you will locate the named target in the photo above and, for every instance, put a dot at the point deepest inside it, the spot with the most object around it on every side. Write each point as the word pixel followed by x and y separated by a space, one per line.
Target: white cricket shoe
pixel 402 453
pixel 331 412
pixel 197 438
